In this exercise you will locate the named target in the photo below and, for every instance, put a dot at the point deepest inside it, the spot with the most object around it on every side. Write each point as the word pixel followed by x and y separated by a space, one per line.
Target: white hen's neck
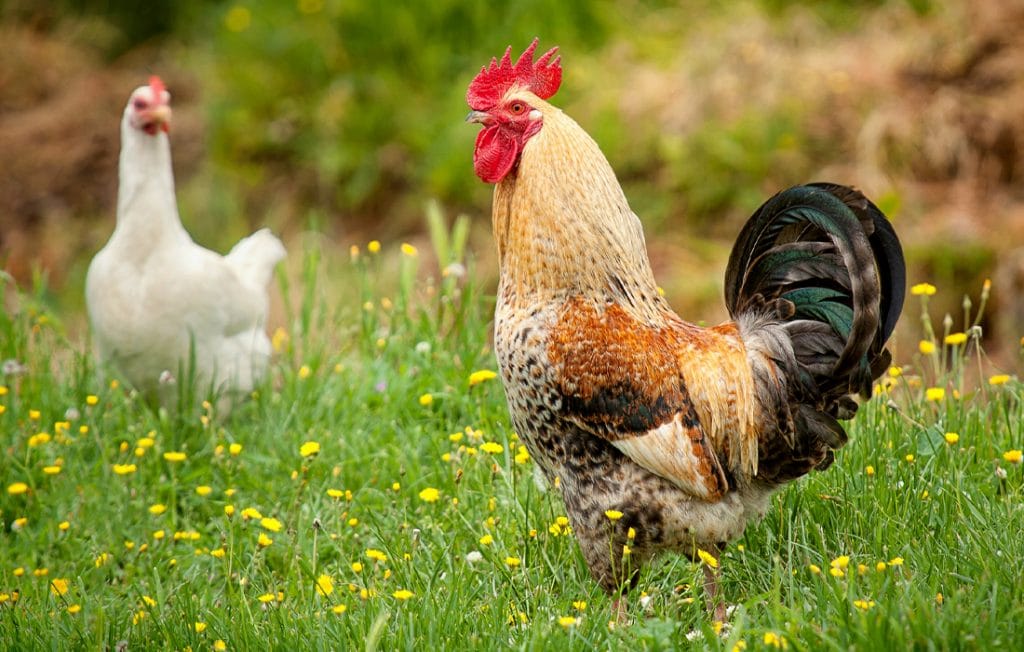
pixel 147 210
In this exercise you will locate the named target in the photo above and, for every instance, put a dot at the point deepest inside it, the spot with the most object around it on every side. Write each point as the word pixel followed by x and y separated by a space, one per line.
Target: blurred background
pixel 336 121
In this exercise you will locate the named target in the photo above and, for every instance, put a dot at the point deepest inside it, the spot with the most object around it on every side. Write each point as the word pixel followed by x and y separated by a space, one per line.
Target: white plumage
pixel 156 299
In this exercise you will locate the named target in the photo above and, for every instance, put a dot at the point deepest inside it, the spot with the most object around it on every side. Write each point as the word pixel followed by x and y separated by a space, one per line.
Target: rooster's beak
pixel 481 117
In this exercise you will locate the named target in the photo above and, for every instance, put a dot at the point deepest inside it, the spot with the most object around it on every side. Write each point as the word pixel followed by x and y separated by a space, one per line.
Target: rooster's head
pixel 149 107
pixel 502 98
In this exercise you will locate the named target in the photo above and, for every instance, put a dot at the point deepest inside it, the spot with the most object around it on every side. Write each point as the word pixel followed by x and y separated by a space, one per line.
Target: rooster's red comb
pixel 157 85
pixel 542 77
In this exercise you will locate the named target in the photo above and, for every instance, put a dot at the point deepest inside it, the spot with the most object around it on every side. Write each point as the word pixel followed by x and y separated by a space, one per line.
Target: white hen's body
pixel 157 300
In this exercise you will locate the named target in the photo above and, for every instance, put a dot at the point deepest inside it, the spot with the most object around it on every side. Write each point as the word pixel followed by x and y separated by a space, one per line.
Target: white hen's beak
pixel 159 116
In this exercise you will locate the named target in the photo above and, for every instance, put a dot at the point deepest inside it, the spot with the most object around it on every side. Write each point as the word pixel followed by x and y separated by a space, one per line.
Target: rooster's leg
pixel 716 607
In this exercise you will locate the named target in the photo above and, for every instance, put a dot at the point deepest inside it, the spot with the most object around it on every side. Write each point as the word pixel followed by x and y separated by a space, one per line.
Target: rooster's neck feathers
pixel 562 222
pixel 146 191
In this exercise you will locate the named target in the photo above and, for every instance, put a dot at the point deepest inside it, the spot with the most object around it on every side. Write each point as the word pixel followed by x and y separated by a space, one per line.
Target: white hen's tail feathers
pixel 254 257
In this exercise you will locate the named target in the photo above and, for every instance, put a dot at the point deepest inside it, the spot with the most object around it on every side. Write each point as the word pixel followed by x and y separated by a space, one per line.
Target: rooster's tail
pixel 823 264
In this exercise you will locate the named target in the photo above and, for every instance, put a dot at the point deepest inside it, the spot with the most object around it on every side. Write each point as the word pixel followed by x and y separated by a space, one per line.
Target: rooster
pixel 159 304
pixel 663 435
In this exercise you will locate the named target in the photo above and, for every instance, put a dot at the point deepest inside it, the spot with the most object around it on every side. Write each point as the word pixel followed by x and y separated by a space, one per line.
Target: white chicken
pixel 162 308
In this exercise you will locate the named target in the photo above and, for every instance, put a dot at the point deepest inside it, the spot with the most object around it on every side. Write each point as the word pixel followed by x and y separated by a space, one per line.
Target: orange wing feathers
pixel 626 381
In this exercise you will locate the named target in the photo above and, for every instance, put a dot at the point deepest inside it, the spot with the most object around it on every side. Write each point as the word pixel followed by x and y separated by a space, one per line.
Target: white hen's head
pixel 149 108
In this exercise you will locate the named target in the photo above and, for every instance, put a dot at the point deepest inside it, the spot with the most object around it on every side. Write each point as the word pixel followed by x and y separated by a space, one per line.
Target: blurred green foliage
pixel 361 102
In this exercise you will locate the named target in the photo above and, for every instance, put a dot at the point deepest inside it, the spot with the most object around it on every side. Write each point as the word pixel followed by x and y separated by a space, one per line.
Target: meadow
pixel 372 495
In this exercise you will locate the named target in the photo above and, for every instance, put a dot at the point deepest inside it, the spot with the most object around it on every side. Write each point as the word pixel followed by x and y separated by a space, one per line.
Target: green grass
pixel 355 377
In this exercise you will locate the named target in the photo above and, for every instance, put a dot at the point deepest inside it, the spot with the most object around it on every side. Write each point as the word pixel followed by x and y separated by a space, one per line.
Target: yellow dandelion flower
pixel 955 339
pixel 265 598
pixel 864 605
pixel 235 449
pixel 881 566
pixel 896 561
pixel 909 457
pixel 271 524
pixel 19 571
pixel 455 437
pixel 1013 456
pixel 102 559
pixel 626 550
pixel 408 250
pixel 613 514
pixel 218 553
pixel 357 567
pixel 579 605
pixel 229 510
pixel 63 526
pixel 238 19
pixel 403 594
pixel 836 572
pixel 568 621
pixel 430 495
pixel 309 449
pixel 426 399
pixel 41 572
pixel 952 438
pixel 17 488
pixel 513 561
pixel 157 509
pixel 92 399
pixel 175 456
pixel 939 599
pixel 305 372
pixel 486 540
pixel 159 534
pixel 373 246
pixel 324 585
pixel 352 522
pixel 815 569
pixel 775 640
pixel 74 608
pixel 52 469
pixel 204 490
pixel 562 520
pixel 840 562
pixel 935 394
pixel 895 372
pixel 923 289
pixel 998 379
pixel 59 586
pixel 707 558
pixel 480 376
pixel 39 439
pixel 251 513
pixel 219 645
pixel 869 470
pixel 395 486
pixel 339 609
pixel 927 347
pixel 263 540
pixel 492 447
pixel 376 555
pixel 20 522
pixel 522 455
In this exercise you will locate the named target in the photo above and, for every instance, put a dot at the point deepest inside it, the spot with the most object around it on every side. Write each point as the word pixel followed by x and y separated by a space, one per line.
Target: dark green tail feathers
pixel 825 262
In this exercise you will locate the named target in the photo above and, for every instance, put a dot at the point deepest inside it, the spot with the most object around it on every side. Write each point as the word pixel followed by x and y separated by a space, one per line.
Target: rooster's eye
pixel 139 104
pixel 518 107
